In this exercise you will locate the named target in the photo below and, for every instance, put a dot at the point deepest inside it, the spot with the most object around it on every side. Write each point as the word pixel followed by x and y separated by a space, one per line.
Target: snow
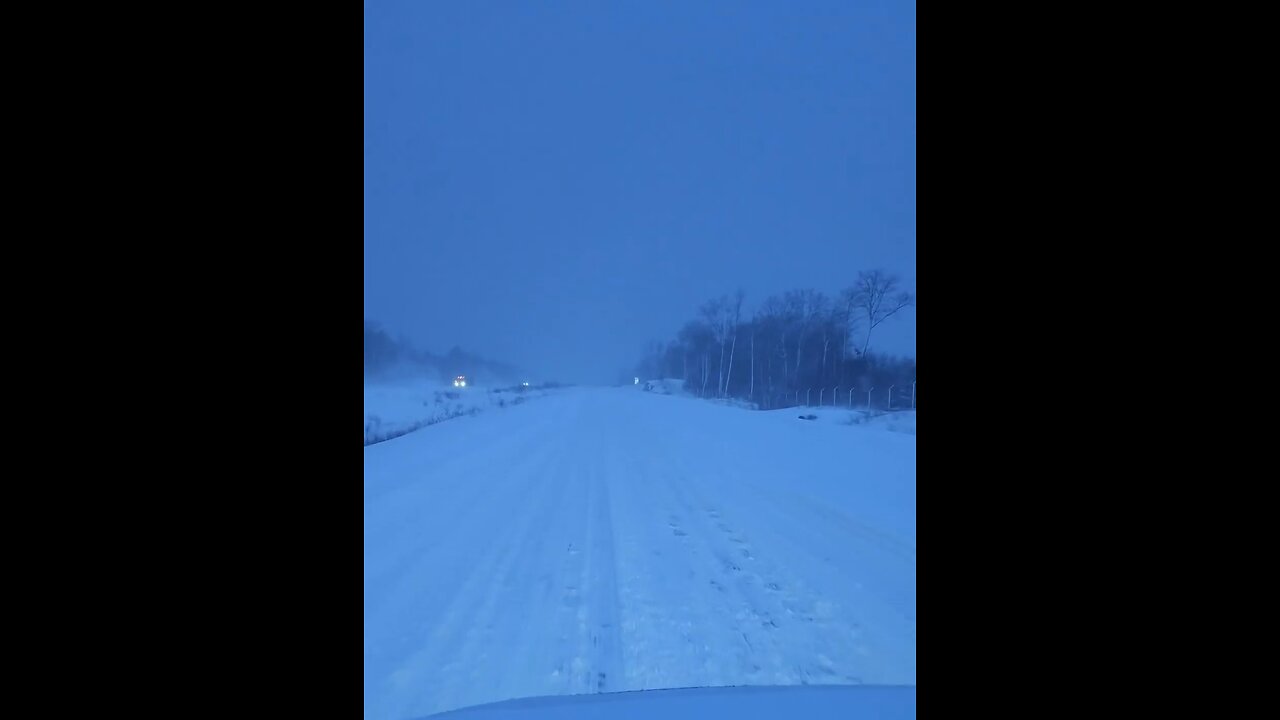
pixel 392 409
pixel 664 386
pixel 739 703
pixel 604 540
pixel 900 421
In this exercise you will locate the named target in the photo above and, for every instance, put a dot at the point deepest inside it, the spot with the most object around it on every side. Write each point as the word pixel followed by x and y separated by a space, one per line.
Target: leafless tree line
pixel 796 340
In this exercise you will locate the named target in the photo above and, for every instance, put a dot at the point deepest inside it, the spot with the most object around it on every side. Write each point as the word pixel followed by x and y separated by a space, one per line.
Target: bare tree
pixel 696 338
pixel 847 307
pixel 807 307
pixel 722 316
pixel 713 314
pixel 875 296
pixel 770 326
pixel 832 330
pixel 803 337
pixel 734 316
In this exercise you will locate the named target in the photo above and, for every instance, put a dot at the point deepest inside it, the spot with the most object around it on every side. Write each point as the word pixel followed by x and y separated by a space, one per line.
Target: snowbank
pixel 900 421
pixel 395 409
pixel 664 386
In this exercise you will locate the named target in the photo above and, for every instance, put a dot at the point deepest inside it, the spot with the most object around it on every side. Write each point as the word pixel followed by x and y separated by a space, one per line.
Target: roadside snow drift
pixel 603 540
pixel 394 409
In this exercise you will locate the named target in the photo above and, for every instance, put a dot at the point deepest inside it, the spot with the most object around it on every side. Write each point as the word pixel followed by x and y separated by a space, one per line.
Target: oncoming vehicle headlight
pixel 464 383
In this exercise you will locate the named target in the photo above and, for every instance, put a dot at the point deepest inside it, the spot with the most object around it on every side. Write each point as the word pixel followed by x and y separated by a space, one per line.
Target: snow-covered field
pixel 609 539
pixel 393 409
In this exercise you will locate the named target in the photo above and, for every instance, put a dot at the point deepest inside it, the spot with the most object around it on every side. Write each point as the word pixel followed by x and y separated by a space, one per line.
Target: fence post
pixel 891 397
pixel 821 391
pixel 913 394
pixel 806 396
pixel 869 400
pixel 833 395
pixel 851 397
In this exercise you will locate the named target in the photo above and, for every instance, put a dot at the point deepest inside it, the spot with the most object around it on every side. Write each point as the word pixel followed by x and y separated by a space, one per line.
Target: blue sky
pixel 555 183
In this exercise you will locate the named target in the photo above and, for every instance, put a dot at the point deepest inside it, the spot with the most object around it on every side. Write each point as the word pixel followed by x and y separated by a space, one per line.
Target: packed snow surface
pixel 608 539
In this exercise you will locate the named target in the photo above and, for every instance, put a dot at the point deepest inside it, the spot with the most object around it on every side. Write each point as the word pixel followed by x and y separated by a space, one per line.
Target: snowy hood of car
pixel 882 702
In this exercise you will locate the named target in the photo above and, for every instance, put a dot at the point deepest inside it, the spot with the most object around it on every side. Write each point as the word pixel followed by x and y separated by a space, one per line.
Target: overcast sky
pixel 555 183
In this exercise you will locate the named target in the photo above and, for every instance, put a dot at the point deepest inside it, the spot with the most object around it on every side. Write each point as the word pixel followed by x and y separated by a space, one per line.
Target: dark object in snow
pixel 808 417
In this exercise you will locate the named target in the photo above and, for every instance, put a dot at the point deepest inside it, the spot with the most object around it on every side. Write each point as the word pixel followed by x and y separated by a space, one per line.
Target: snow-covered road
pixel 608 539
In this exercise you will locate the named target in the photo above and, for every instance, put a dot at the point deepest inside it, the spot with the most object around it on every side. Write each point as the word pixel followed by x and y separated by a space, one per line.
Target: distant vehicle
pixel 460 381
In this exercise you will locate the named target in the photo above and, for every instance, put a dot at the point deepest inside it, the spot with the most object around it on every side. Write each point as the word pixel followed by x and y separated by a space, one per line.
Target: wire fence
pixel 893 398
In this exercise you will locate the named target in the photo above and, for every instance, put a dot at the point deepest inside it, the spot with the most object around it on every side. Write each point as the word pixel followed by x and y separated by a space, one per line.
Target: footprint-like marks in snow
pixel 735 539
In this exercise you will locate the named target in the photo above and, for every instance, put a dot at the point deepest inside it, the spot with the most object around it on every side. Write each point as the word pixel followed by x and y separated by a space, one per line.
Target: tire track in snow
pixel 448 670
pixel 671 616
pixel 792 624
pixel 741 577
pixel 599 531
pixel 511 620
pixel 856 623
pixel 435 495
pixel 832 644
pixel 411 535
pixel 558 581
pixel 724 617
pixel 605 667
